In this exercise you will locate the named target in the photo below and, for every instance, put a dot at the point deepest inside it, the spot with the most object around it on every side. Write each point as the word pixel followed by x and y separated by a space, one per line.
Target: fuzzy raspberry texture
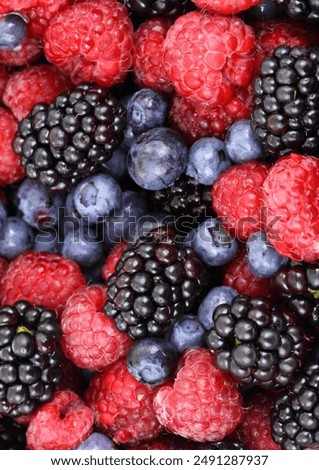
pixel 122 406
pixel 226 7
pixel 60 424
pixel 207 57
pixel 291 200
pixel 238 275
pixel 4 75
pixel 4 264
pixel 237 198
pixel 27 87
pixel 11 170
pixel 148 67
pixel 193 120
pixel 42 279
pixel 31 50
pixel 203 403
pixel 108 268
pixel 90 339
pixel 255 430
pixel 91 41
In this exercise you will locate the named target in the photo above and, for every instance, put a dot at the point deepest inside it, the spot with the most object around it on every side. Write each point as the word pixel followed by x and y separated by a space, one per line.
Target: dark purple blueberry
pixel 96 441
pixel 217 296
pixel 146 109
pixel 187 332
pixel 263 259
pixel 83 246
pixel 16 237
pixel 117 165
pixel 242 144
pixel 13 29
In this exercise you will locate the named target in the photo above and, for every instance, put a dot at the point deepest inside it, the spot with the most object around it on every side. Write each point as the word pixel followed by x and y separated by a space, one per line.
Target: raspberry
pixel 29 53
pixel 238 275
pixel 291 200
pixel 75 42
pixel 29 86
pixel 203 404
pixel 4 75
pixel 91 339
pixel 61 424
pixel 237 198
pixel 148 65
pixel 255 430
pixel 41 278
pixel 4 264
pixel 226 7
pixel 108 268
pixel 11 170
pixel 208 57
pixel 122 406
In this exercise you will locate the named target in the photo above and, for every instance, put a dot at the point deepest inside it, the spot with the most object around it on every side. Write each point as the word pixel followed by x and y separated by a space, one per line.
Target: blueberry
pixel 117 165
pixel 128 138
pixel 213 244
pixel 151 360
pixel 187 332
pixel 217 296
pixel 263 259
pixel 37 204
pixel 207 159
pixel 13 29
pixel 83 246
pixel 96 441
pixel 96 196
pixel 3 215
pixel 146 109
pixel 148 222
pixel 265 10
pixel 157 158
pixel 16 236
pixel 242 144
pixel 47 240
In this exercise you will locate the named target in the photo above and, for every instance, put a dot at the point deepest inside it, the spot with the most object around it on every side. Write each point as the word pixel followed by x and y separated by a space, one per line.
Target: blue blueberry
pixel 16 236
pixel 263 259
pixel 37 204
pixel 47 240
pixel 128 138
pixel 242 144
pixel 189 238
pixel 217 296
pixel 96 441
pixel 213 244
pixel 83 246
pixel 157 158
pixel 151 360
pixel 187 332
pixel 13 29
pixel 117 165
pixel 148 222
pixel 207 159
pixel 146 109
pixel 265 10
pixel 3 215
pixel 96 196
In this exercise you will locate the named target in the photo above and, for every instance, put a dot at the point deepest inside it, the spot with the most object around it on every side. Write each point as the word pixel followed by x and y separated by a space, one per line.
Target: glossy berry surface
pixel 187 332
pixel 263 259
pixel 146 109
pixel 217 296
pixel 241 143
pixel 13 30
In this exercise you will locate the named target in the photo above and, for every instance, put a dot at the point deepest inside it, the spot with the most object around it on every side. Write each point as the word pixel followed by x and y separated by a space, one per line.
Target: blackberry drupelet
pixel 149 8
pixel 226 444
pixel 302 9
pixel 255 342
pixel 295 415
pixel 285 115
pixel 30 360
pixel 70 138
pixel 155 283
pixel 12 435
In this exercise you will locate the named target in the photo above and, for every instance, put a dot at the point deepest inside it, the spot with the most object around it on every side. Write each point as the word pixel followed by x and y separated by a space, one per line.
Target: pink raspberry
pixel 27 87
pixel 90 338
pixel 11 170
pixel 4 75
pixel 108 268
pixel 207 57
pixel 226 7
pixel 91 41
pixel 122 406
pixel 4 264
pixel 60 424
pixel 203 403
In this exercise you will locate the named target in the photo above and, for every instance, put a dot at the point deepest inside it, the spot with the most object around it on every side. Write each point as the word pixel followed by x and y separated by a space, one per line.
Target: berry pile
pixel 159 224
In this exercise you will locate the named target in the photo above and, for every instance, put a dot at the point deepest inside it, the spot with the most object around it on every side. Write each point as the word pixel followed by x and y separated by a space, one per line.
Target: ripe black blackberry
pixel 150 8
pixel 70 138
pixel 255 342
pixel 226 444
pixel 12 435
pixel 30 361
pixel 295 415
pixel 302 9
pixel 285 115
pixel 155 283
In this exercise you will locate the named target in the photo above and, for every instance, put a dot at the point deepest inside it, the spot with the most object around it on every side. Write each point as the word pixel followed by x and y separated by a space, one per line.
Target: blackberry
pixel 155 283
pixel 302 9
pixel 30 362
pixel 12 435
pixel 285 115
pixel 295 415
pixel 150 8
pixel 255 342
pixel 226 444
pixel 70 138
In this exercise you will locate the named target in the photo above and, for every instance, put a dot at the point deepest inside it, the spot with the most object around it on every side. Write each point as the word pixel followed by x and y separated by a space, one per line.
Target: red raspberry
pixel 90 338
pixel 31 50
pixel 291 200
pixel 238 275
pixel 91 41
pixel 122 406
pixel 237 198
pixel 208 57
pixel 167 442
pixel 226 7
pixel 108 269
pixel 41 278
pixel 60 424
pixel 193 120
pixel 4 75
pixel 11 170
pixel 203 404
pixel 255 431
pixel 4 264
pixel 27 87
pixel 148 65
